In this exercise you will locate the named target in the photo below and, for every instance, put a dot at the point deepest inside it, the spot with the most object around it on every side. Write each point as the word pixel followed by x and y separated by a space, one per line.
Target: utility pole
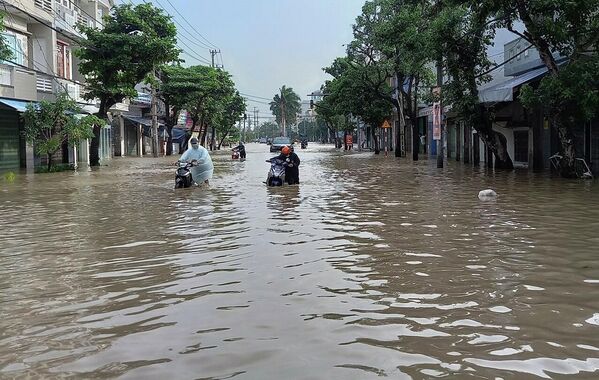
pixel 213 53
pixel 154 119
pixel 245 116
pixel 441 141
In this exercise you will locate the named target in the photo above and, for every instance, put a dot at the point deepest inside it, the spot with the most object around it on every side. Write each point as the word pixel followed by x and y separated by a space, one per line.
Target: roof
pixel 16 104
pixel 504 91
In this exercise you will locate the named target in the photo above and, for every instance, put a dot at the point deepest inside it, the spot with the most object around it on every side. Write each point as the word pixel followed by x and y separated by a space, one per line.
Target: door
pixel 9 141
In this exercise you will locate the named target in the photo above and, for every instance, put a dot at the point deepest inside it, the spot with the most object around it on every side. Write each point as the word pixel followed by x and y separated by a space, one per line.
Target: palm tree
pixel 285 106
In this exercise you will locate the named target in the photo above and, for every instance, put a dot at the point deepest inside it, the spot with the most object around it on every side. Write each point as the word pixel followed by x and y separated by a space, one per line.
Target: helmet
pixel 193 140
pixel 285 150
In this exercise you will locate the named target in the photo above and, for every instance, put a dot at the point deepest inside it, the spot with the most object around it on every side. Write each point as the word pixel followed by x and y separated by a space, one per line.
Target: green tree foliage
pixel 461 33
pixel 358 88
pixel 285 106
pixel 49 125
pixel 401 35
pixel 207 93
pixel 5 52
pixel 267 129
pixel 134 41
pixel 231 109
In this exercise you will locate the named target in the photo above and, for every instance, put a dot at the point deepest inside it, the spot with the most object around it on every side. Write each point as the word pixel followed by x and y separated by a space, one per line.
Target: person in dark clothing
pixel 291 171
pixel 241 149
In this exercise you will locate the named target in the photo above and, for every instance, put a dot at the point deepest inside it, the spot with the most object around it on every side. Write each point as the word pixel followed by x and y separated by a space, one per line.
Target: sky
pixel 266 44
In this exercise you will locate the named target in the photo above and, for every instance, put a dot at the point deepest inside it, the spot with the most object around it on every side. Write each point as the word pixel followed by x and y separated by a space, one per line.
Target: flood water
pixel 366 269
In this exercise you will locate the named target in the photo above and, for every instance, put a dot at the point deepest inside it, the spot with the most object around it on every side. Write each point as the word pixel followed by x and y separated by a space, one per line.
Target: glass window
pixel 18 45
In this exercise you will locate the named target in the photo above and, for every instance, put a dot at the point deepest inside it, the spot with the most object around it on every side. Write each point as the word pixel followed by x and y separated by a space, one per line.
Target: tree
pixel 360 89
pixel 134 41
pixel 5 52
pixel 400 34
pixel 460 33
pixel 233 106
pixel 285 106
pixel 267 129
pixel 50 125
pixel 569 93
pixel 173 86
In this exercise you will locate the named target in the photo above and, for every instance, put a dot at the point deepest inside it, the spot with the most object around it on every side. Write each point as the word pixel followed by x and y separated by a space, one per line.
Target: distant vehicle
pixel 263 140
pixel 279 142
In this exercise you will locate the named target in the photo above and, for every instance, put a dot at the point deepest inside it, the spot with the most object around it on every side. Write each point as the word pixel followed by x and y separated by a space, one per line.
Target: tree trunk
pixel 223 139
pixel 375 141
pixel 415 140
pixel 169 140
pixel 49 161
pixel 566 137
pixel 502 158
pixel 212 138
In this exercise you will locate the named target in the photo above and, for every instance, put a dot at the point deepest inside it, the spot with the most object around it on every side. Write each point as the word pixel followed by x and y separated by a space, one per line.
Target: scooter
pixel 235 154
pixel 276 174
pixel 183 174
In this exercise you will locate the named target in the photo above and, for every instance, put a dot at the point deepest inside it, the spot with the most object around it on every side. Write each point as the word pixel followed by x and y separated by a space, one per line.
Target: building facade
pixel 42 36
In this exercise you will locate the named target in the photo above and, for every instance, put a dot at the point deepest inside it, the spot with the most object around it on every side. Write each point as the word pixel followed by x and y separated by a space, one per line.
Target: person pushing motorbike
pixel 201 172
pixel 241 149
pixel 291 170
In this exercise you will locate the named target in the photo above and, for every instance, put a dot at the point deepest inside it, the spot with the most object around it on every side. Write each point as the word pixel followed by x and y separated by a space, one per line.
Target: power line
pixel 202 45
pixel 195 55
pixel 255 96
pixel 191 26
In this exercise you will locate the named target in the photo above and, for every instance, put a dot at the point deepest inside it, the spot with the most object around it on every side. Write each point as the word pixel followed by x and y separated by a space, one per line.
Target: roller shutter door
pixel 9 141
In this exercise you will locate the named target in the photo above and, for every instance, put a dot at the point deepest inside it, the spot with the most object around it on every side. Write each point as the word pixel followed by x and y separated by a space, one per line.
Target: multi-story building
pixel 42 35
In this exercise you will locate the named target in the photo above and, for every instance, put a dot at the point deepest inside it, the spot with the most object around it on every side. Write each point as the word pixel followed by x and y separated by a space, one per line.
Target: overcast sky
pixel 269 43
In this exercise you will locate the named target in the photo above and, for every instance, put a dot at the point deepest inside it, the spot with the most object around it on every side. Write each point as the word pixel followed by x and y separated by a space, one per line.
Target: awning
pixel 142 120
pixel 504 92
pixel 17 105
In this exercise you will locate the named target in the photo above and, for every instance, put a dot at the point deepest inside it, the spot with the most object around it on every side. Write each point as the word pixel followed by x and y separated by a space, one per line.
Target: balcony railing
pixel 44 83
pixel 5 76
pixel 44 4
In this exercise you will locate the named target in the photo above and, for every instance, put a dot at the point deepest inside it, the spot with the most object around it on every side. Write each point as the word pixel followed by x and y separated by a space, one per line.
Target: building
pixel 42 35
pixel 530 140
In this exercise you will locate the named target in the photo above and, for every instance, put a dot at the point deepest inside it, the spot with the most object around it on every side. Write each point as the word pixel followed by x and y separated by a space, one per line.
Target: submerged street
pixel 366 269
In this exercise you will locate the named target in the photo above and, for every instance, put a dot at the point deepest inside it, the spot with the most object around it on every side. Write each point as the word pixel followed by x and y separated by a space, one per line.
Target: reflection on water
pixel 366 269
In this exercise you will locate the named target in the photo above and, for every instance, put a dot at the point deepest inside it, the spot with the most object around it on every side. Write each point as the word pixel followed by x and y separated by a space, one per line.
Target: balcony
pixel 46 5
pixel 17 82
pixel 68 19
pixel 75 90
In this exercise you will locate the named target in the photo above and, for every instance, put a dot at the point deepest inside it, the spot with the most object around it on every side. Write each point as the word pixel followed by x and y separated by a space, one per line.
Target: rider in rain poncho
pixel 203 171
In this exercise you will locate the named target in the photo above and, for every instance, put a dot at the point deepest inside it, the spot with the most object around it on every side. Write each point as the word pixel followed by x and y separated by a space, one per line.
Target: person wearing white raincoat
pixel 204 169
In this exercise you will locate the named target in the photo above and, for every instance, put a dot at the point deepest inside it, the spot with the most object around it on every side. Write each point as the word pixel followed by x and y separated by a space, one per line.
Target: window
pixel 17 43
pixel 521 146
pixel 63 60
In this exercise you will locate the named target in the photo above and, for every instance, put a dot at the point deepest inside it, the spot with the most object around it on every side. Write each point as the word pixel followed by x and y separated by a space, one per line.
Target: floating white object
pixel 487 194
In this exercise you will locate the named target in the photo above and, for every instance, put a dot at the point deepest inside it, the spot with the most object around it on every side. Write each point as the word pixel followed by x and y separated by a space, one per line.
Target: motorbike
pixel 183 174
pixel 304 144
pixel 276 174
pixel 235 154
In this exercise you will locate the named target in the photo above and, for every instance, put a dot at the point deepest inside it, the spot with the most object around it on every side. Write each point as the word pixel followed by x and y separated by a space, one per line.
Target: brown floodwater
pixel 366 269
